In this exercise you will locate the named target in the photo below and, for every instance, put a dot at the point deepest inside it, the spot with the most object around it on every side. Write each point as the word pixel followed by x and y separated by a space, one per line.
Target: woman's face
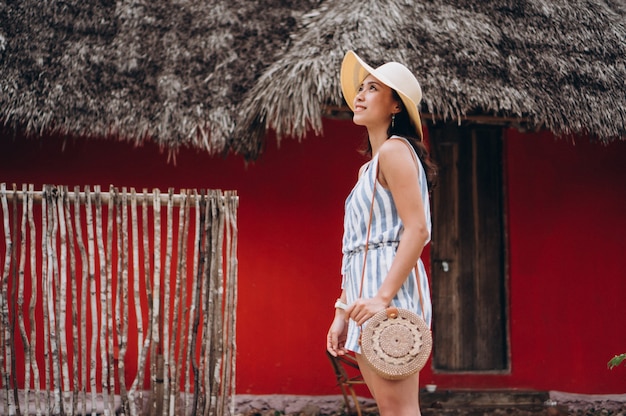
pixel 374 104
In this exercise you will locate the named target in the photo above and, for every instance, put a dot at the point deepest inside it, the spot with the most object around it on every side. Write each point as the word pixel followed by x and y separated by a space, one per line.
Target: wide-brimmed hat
pixel 393 74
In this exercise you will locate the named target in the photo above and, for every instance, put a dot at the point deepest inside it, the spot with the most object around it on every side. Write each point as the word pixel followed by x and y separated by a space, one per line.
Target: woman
pixel 384 100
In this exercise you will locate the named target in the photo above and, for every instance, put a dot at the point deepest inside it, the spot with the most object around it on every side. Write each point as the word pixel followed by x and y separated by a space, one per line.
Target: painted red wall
pixel 566 206
pixel 567 216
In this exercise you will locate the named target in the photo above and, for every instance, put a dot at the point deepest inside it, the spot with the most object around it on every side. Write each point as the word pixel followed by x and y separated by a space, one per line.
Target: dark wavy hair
pixel 403 127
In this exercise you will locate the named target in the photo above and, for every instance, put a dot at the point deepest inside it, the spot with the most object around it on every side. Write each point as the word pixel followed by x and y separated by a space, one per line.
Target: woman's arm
pixel 399 173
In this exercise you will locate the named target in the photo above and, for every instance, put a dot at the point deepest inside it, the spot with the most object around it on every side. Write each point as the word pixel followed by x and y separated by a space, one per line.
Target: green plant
pixel 617 360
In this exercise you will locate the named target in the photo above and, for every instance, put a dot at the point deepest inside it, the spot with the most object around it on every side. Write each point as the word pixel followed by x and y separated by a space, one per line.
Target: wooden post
pixel 82 300
pixel 5 330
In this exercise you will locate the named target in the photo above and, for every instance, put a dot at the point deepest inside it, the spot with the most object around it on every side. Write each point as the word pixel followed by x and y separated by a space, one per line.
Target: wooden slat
pixel 445 252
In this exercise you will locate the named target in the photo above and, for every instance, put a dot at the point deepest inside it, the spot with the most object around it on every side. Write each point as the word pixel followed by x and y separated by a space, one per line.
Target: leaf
pixel 615 361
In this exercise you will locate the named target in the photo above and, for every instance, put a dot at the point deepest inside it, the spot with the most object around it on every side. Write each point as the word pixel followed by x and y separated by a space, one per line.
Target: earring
pixel 393 120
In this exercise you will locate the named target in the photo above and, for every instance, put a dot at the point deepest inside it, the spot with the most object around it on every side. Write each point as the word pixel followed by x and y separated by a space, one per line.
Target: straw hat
pixel 392 74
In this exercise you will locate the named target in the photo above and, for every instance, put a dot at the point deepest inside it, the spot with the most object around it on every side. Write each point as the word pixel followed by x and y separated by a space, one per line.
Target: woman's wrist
pixel 340 309
pixel 340 304
pixel 384 299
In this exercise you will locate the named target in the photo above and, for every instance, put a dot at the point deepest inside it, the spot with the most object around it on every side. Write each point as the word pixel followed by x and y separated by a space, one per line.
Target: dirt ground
pixel 617 410
pixel 455 404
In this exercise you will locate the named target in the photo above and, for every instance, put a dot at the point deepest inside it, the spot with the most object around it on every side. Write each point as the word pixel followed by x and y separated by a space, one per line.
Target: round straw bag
pixel 396 343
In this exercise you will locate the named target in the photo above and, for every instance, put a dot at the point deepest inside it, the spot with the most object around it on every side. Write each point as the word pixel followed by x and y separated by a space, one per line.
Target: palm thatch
pixel 558 65
pixel 218 75
pixel 168 71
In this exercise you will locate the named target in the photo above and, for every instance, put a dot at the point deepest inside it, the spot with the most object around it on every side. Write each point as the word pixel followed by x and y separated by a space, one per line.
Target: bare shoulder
pixel 394 151
pixel 396 162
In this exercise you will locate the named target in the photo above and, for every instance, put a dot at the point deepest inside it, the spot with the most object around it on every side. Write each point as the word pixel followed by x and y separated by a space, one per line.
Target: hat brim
pixel 353 72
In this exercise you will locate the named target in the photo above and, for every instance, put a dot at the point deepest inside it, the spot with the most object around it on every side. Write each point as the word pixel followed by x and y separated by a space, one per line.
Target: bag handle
pixel 367 240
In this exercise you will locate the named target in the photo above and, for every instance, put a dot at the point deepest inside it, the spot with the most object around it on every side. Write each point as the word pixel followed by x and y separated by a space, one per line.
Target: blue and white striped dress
pixel 385 234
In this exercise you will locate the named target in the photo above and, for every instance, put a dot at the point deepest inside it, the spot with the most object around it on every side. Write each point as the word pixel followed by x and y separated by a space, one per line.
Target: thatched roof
pixel 216 75
pixel 171 71
pixel 559 65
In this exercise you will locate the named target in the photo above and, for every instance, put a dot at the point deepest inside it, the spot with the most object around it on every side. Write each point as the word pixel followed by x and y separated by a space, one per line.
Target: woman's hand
pixel 363 309
pixel 337 334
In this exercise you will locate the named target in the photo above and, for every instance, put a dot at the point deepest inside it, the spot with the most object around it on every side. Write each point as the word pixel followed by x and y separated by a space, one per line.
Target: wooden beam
pixel 344 113
pixel 104 196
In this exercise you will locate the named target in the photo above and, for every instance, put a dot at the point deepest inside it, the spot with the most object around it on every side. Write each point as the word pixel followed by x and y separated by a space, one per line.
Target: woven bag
pixel 396 342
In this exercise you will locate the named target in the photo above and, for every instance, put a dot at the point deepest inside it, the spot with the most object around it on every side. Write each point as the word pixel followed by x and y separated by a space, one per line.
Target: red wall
pixel 567 225
pixel 566 206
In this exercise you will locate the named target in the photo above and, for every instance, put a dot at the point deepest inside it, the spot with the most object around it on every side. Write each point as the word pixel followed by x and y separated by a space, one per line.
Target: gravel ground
pixel 551 411
pixel 558 404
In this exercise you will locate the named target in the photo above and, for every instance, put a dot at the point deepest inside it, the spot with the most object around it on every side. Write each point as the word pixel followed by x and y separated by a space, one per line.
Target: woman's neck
pixel 377 138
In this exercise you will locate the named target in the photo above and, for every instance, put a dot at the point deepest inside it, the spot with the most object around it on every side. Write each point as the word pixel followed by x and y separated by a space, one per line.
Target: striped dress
pixel 385 234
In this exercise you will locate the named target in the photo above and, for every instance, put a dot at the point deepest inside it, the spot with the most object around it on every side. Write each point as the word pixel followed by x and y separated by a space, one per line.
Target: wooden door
pixel 468 250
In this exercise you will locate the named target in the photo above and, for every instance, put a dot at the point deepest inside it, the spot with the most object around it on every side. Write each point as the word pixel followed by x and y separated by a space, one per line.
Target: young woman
pixel 385 101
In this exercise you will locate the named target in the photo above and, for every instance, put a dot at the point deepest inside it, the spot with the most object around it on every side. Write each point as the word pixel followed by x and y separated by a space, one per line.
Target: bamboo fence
pixel 110 304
